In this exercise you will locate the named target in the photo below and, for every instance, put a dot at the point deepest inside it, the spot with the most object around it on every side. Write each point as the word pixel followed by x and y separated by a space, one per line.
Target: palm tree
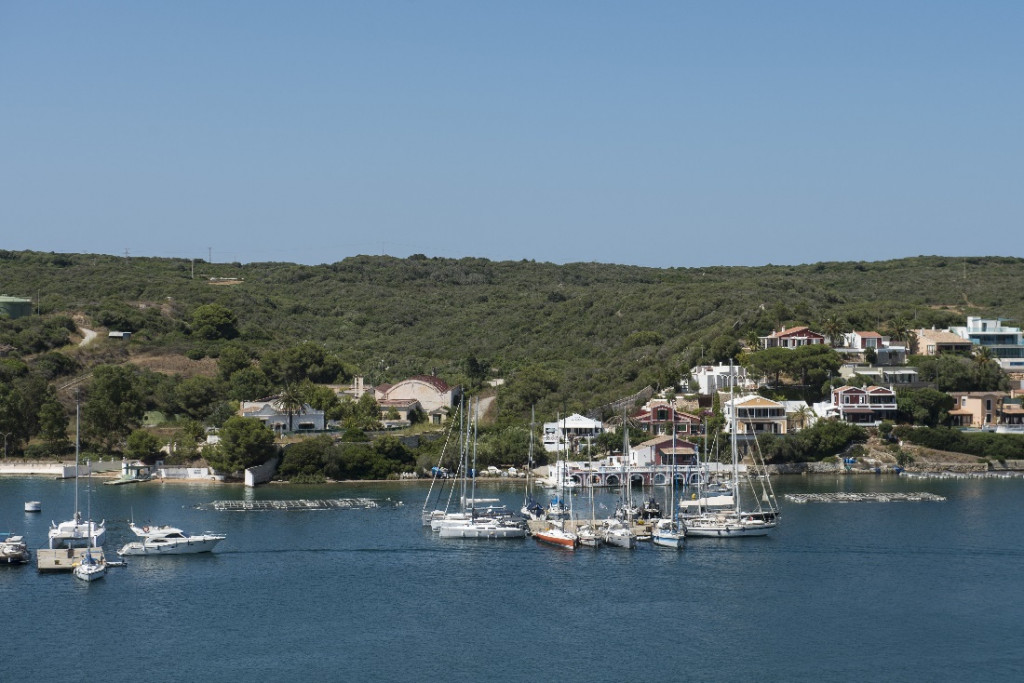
pixel 899 330
pixel 832 328
pixel 983 355
pixel 292 399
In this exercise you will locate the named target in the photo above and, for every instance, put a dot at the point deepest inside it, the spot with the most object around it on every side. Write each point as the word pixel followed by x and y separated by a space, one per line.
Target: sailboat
pixel 74 531
pixel 735 522
pixel 428 515
pixel 531 509
pixel 557 509
pixel 619 532
pixel 587 533
pixel 90 568
pixel 668 533
pixel 478 526
pixel 556 534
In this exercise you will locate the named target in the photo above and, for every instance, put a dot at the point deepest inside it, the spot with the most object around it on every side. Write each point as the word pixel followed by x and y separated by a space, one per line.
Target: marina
pixel 327 592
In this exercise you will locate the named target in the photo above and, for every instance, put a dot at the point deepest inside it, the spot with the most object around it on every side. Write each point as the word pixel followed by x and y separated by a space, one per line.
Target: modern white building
pixel 712 378
pixel 1005 342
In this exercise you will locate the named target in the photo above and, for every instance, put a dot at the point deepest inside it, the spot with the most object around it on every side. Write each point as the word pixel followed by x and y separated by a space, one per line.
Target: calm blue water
pixel 870 591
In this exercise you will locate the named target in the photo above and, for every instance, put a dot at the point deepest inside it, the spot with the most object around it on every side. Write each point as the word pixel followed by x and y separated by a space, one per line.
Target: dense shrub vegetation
pixel 564 338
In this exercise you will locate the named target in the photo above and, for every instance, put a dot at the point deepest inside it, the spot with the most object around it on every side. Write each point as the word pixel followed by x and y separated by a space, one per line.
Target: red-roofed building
pixel 864 340
pixel 792 338
pixel 658 417
pixel 864 404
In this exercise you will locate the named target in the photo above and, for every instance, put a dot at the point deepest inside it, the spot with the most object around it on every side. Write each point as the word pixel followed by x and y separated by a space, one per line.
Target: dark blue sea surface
pixel 902 591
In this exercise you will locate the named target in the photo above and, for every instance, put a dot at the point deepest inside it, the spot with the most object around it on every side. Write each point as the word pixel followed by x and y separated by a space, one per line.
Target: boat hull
pixel 567 541
pixel 485 531
pixel 90 574
pixel 189 546
pixel 668 540
pixel 729 529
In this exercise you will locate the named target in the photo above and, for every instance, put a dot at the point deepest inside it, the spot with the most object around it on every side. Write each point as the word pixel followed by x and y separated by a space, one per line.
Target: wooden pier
pixel 63 559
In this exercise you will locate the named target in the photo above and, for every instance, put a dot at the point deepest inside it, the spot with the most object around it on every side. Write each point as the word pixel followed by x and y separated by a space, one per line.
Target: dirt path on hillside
pixel 87 336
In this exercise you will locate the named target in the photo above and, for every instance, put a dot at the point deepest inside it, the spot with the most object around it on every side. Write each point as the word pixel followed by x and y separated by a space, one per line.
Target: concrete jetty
pixel 63 559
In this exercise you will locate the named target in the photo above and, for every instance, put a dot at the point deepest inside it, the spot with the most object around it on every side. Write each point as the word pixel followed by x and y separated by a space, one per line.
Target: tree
pixel 233 357
pixel 197 396
pixel 923 406
pixel 143 445
pixel 213 321
pixel 249 384
pixel 833 329
pixel 244 442
pixel 303 361
pixel 112 406
pixel 292 400
pixel 53 426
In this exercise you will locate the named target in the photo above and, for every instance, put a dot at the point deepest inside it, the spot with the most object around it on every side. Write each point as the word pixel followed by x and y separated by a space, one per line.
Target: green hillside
pixel 578 334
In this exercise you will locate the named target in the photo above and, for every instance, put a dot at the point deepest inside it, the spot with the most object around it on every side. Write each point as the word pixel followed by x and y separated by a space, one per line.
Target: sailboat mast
pixel 732 439
pixel 77 423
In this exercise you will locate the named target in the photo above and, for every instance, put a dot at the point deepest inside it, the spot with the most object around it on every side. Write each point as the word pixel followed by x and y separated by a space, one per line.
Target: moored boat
pixel 90 569
pixel 33 506
pixel 14 550
pixel 557 535
pixel 168 540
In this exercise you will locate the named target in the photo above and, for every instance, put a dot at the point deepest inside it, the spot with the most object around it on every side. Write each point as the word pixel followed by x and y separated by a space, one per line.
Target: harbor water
pixel 901 591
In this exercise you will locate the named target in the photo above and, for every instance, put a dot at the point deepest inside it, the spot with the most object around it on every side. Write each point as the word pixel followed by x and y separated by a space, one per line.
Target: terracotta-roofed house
pixel 792 338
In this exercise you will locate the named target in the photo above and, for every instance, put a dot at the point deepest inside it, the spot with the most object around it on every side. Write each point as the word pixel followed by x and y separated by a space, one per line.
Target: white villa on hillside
pixel 558 436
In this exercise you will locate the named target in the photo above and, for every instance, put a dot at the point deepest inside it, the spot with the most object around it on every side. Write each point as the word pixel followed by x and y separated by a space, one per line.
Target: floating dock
pixel 326 504
pixel 63 559
pixel 640 528
pixel 862 497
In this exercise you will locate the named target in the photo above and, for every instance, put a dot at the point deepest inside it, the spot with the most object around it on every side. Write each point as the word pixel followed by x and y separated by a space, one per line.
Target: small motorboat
pixel 168 540
pixel 33 506
pixel 14 550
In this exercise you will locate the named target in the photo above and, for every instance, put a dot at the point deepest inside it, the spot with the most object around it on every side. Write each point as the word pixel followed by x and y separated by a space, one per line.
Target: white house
pixel 712 378
pixel 560 435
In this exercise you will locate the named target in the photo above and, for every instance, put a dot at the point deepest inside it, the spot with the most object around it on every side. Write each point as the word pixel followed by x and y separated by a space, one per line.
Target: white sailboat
pixel 531 508
pixel 90 568
pixel 74 532
pixel 735 522
pixel 473 526
pixel 619 532
pixel 669 533
pixel 433 514
pixel 587 533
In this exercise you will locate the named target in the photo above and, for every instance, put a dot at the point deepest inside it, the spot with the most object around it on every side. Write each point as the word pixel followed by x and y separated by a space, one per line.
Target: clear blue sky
pixel 649 133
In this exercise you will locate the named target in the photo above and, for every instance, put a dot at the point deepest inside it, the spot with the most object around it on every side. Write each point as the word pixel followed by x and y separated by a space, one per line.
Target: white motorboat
pixel 33 506
pixel 14 550
pixel 90 569
pixel 168 540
